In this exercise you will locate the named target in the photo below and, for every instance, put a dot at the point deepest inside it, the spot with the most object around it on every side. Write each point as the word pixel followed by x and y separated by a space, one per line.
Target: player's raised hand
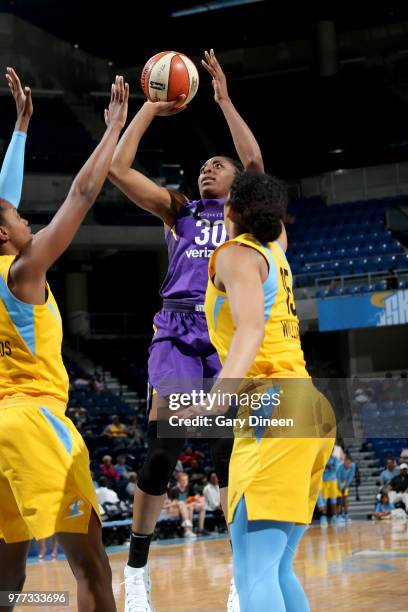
pixel 22 97
pixel 219 81
pixel 116 113
pixel 165 109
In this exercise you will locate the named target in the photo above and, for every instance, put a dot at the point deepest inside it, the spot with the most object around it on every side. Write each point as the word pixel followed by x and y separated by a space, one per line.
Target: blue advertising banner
pixel 368 310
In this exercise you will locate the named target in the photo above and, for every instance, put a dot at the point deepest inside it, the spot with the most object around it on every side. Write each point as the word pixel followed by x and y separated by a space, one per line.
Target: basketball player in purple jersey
pixel 181 348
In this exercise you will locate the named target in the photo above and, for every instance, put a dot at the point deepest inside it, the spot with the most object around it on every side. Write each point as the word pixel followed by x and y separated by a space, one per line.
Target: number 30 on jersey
pixel 211 232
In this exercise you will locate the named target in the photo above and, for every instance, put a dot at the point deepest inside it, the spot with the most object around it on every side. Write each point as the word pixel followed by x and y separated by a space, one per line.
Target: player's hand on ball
pixel 165 109
pixel 117 112
pixel 219 81
pixel 22 97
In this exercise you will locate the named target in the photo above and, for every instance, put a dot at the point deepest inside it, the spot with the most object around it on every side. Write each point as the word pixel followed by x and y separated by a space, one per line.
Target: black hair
pixel 238 167
pixel 260 201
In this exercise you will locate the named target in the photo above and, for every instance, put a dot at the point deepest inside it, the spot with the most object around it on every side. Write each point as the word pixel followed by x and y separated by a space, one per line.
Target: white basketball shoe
pixel 137 589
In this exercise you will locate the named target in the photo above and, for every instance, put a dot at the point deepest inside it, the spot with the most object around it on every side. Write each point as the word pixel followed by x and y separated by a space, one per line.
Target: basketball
pixel 168 75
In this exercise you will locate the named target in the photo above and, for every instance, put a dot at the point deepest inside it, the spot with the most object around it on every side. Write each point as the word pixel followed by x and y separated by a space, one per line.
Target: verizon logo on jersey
pixel 199 253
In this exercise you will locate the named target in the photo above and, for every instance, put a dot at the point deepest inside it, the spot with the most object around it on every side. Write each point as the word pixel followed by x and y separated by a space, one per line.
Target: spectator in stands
pixel 392 280
pixel 131 486
pixel 82 382
pixel 188 455
pixel 345 474
pixel 390 389
pixel 383 508
pixel 197 476
pixel 403 456
pixel 106 468
pixel 121 467
pixel 136 437
pixel 391 470
pixel 105 494
pixel 363 395
pixel 116 429
pixel 398 487
pixel 183 492
pixel 99 384
pixel 173 508
pixel 211 494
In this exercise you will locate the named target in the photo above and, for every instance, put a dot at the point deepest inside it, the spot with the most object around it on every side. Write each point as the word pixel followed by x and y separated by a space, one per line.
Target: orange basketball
pixel 168 75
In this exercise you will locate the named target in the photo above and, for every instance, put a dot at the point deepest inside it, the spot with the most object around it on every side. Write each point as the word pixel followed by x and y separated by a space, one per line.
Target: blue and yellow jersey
pixel 30 344
pixel 280 354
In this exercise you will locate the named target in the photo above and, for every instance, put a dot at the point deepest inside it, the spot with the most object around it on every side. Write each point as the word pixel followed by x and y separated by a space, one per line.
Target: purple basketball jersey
pixel 198 230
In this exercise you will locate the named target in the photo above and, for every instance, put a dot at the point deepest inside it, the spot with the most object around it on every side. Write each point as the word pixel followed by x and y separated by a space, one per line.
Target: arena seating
pixel 342 240
pixel 384 418
pixel 382 446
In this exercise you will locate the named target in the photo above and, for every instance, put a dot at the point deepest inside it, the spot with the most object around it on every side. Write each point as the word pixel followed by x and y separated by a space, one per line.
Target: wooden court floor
pixel 358 567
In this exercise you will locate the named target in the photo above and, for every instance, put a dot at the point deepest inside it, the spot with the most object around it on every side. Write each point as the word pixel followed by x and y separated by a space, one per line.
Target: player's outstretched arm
pixel 48 244
pixel 245 142
pixel 139 188
pixel 12 171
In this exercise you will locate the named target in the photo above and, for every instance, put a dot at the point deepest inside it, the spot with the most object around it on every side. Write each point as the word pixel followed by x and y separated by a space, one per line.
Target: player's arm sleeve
pixel 12 171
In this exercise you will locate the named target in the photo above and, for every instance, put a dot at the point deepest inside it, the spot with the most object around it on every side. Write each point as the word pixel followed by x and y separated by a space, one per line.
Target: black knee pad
pixel 221 450
pixel 161 459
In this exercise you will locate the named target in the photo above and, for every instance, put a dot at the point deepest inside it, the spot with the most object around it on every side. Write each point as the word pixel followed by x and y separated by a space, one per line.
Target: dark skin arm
pixel 245 143
pixel 27 274
pixel 241 271
pixel 141 190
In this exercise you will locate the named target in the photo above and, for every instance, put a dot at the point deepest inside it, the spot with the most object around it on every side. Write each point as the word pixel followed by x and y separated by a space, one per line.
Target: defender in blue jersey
pixel 181 347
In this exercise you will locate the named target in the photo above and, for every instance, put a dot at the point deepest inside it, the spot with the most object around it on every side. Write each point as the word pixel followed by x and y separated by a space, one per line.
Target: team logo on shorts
pixel 75 510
